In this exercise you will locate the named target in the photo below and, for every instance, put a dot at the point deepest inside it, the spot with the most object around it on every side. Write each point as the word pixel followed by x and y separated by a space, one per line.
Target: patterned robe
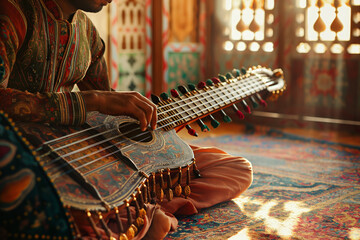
pixel 42 57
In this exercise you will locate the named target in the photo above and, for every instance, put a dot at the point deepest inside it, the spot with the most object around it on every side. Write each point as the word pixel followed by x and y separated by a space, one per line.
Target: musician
pixel 48 46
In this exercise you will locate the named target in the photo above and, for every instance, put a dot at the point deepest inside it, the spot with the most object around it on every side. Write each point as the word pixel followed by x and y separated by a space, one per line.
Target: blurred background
pixel 154 46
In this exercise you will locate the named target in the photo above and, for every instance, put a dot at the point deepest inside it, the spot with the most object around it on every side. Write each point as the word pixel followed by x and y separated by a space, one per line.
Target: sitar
pixel 109 164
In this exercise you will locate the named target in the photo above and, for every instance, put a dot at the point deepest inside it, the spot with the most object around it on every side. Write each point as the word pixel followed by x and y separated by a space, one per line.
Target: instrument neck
pixel 197 104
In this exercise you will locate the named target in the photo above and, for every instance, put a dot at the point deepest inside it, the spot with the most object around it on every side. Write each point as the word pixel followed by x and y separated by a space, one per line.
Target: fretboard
pixel 196 104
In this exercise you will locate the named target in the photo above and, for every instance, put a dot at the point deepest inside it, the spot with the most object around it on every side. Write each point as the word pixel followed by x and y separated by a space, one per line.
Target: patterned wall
pixel 183 42
pixel 128 45
pixel 183 68
pixel 131 43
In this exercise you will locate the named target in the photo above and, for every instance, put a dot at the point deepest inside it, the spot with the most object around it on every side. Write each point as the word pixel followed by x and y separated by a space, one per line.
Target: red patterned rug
pixel 303 189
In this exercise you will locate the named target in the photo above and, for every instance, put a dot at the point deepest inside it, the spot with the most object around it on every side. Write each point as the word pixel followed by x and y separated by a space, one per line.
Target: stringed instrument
pixel 109 163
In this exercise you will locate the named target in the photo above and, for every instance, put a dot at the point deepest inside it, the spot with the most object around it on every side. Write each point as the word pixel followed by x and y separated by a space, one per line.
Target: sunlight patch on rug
pixel 279 218
pixel 354 234
pixel 243 235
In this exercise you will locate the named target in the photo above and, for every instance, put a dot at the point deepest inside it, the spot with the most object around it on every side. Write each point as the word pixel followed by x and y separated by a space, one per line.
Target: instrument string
pixel 94 160
pixel 84 148
pixel 118 136
pixel 71 135
pixel 210 92
pixel 249 80
pixel 107 131
pixel 103 141
pixel 78 141
pixel 75 134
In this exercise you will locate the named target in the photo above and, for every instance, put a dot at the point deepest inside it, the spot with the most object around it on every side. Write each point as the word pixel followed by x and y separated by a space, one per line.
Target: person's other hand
pixel 122 103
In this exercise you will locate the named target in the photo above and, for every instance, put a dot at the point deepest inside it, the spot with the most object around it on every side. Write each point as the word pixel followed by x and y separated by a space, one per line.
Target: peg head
pixel 155 99
pixel 215 80
pixel 209 82
pixel 174 93
pixel 222 78
pixel 236 72
pixel 164 96
pixel 229 76
pixel 227 119
pixel 246 107
pixel 240 114
pixel 192 132
pixel 254 102
pixel 214 123
pixel 201 85
pixel 183 89
pixel 243 71
pixel 192 87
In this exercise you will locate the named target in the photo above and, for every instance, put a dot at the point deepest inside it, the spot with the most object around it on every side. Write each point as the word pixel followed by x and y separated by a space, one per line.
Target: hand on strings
pixel 122 103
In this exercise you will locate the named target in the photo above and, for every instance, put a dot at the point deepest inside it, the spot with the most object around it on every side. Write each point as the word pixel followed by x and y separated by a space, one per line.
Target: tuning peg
pixel 226 118
pixel 262 101
pixel 236 72
pixel 246 107
pixel 164 96
pixel 201 85
pixel 229 76
pixel 203 126
pixel 174 93
pixel 222 78
pixel 214 122
pixel 215 80
pixel 254 102
pixel 243 71
pixel 191 131
pixel 238 112
pixel 155 99
pixel 209 82
pixel 192 87
pixel 183 89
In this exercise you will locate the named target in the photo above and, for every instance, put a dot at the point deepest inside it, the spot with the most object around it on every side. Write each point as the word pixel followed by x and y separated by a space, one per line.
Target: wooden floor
pixel 345 137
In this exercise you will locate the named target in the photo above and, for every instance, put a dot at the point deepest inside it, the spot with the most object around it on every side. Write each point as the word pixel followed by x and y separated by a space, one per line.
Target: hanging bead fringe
pixel 151 190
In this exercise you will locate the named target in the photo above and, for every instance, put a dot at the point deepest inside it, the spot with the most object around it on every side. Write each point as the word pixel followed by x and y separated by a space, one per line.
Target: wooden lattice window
pixel 251 25
pixel 328 26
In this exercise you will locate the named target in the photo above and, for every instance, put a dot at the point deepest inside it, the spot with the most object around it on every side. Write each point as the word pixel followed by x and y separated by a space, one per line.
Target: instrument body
pixel 109 170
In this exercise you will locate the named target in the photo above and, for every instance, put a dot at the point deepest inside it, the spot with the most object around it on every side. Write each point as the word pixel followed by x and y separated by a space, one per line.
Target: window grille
pixel 251 25
pixel 321 26
pixel 328 26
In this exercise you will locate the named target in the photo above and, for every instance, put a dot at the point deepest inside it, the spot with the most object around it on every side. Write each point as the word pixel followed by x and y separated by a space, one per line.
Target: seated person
pixel 48 46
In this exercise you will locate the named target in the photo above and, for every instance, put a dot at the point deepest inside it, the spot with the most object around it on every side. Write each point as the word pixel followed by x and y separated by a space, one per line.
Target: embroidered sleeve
pixel 96 77
pixel 61 108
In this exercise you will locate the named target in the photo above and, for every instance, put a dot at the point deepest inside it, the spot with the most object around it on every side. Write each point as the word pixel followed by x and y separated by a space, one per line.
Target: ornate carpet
pixel 302 189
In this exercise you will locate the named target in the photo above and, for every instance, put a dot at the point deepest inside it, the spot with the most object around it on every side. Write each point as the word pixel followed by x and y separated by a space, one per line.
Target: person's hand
pixel 122 103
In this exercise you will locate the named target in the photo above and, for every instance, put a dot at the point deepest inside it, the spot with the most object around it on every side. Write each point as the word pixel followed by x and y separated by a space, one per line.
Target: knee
pixel 245 174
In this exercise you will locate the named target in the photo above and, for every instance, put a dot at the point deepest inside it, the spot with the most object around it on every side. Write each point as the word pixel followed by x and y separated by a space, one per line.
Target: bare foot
pixel 159 227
